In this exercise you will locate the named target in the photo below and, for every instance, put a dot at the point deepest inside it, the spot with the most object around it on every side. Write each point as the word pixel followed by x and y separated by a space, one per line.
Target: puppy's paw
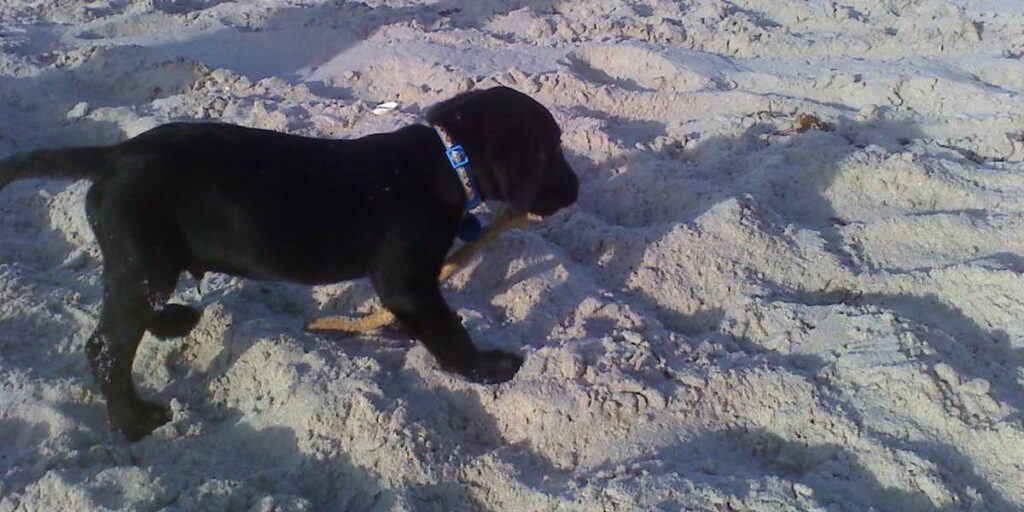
pixel 495 366
pixel 139 420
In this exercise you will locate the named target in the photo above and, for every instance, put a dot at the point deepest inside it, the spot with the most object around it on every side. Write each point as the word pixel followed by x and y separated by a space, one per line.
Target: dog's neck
pixel 459 161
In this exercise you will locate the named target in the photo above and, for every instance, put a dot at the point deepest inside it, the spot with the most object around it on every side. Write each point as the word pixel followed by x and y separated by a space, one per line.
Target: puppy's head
pixel 514 148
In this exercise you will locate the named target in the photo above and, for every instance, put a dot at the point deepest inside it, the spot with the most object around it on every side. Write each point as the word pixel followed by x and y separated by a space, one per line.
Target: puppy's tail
pixel 71 163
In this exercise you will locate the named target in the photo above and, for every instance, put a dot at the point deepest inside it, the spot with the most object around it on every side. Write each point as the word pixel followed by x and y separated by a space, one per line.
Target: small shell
pixel 385 108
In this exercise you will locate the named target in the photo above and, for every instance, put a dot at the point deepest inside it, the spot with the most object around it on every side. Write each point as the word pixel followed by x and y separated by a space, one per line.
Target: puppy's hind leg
pixel 141 262
pixel 174 320
pixel 128 300
pixel 177 320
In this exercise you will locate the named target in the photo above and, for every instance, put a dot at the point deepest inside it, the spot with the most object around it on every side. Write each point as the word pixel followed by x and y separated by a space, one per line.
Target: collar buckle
pixel 457 156
pixel 459 161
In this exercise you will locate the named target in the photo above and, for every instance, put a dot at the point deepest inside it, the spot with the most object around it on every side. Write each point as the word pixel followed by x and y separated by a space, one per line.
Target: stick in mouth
pixel 382 317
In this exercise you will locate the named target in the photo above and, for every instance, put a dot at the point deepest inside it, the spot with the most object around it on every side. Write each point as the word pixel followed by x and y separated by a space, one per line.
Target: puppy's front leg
pixel 416 301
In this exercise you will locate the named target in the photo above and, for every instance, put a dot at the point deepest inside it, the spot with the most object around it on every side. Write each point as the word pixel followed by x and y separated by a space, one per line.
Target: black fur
pixel 264 205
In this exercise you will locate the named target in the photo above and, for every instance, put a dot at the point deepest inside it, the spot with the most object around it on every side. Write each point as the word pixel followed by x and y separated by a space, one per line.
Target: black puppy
pixel 263 205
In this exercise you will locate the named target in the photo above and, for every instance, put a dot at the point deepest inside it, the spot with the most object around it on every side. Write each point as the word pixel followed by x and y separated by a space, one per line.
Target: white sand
pixel 735 316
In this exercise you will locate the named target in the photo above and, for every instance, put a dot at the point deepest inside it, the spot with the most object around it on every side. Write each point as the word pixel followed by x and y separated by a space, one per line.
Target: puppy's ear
pixel 480 113
pixel 502 130
pixel 456 114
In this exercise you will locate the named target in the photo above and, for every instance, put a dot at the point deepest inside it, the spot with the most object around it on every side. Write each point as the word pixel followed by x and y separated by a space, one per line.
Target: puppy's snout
pixel 570 189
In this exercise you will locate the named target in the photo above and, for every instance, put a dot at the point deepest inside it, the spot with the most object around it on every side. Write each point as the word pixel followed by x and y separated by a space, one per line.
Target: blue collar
pixel 460 164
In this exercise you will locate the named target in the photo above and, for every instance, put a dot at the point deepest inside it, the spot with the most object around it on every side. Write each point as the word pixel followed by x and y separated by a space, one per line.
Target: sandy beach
pixel 794 278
